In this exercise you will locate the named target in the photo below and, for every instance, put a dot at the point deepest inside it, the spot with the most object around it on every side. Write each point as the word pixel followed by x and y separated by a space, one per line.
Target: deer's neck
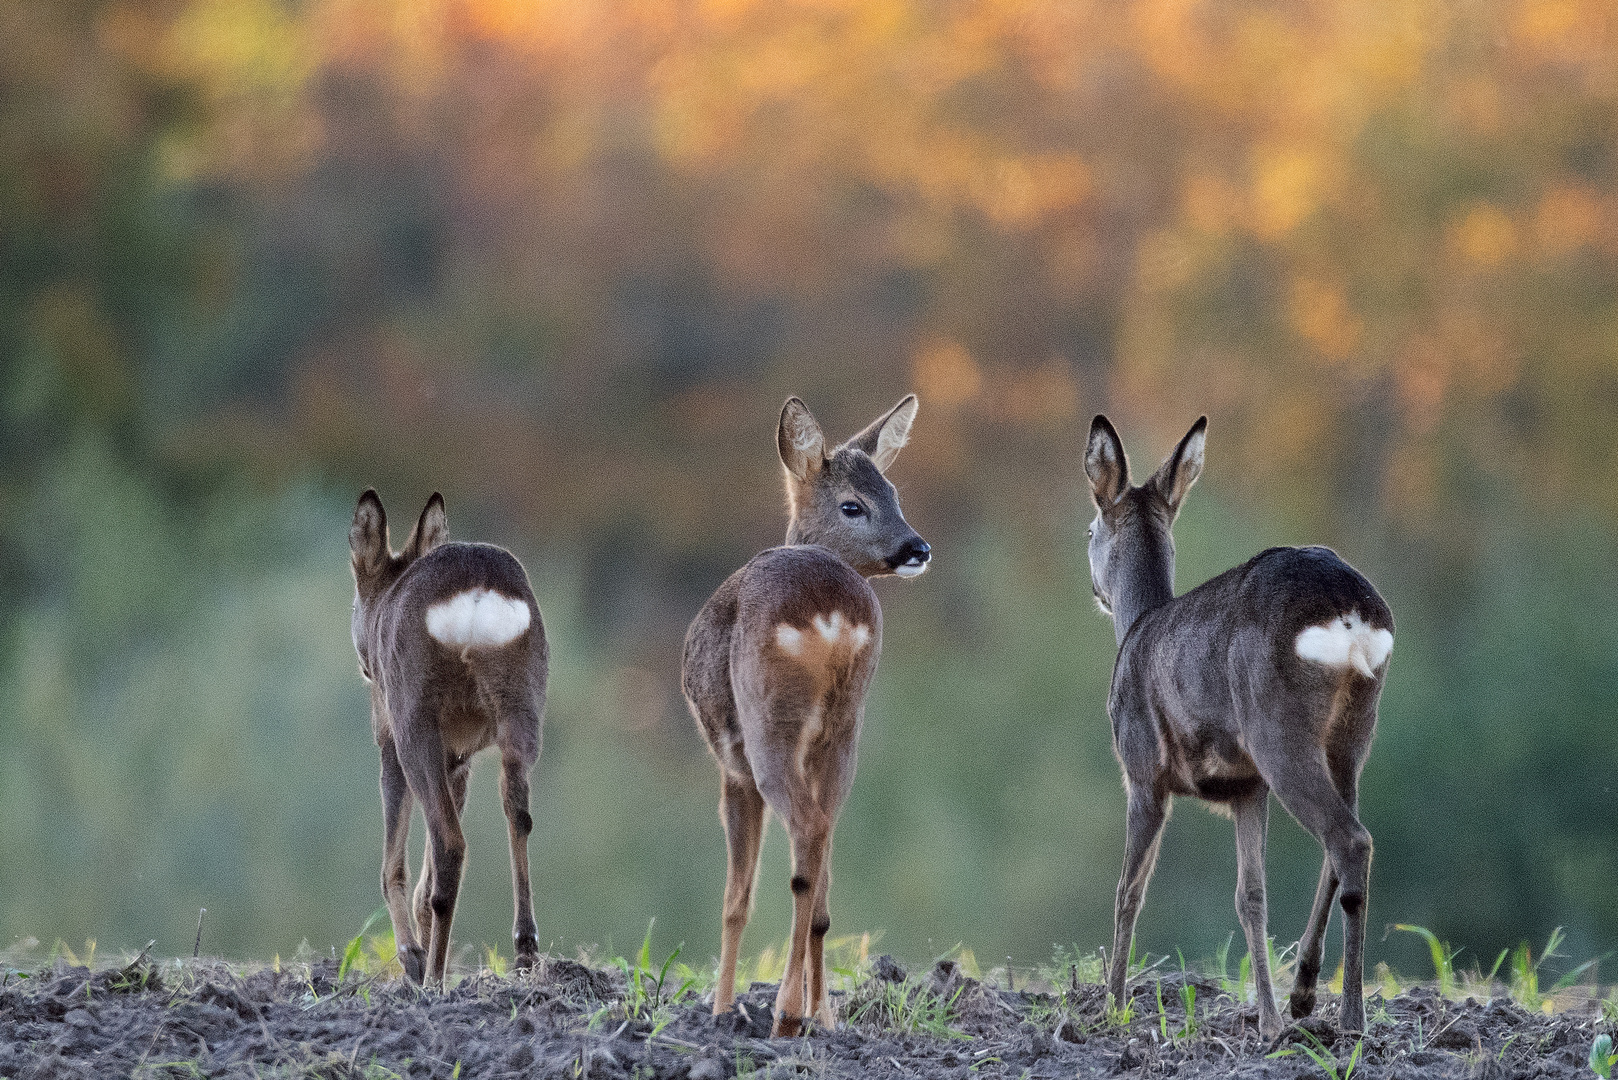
pixel 797 534
pixel 1146 582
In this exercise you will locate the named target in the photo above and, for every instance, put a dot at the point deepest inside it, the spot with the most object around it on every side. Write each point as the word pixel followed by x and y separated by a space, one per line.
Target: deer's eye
pixel 852 509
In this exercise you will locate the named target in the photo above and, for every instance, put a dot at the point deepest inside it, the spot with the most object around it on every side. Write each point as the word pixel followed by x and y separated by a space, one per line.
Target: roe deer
pixel 775 671
pixel 1265 678
pixel 450 640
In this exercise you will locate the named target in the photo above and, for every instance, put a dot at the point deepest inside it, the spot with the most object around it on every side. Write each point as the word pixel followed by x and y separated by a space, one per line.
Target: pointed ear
pixel 887 435
pixel 1105 463
pixel 1180 470
pixel 430 531
pixel 802 446
pixel 368 536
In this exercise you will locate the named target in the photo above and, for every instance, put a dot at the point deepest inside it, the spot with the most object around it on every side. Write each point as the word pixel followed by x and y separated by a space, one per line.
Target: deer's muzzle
pixel 912 558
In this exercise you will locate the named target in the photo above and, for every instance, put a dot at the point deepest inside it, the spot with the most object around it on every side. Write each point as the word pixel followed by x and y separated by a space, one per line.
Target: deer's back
pixel 1202 678
pixel 446 572
pixel 795 633
pixel 1278 592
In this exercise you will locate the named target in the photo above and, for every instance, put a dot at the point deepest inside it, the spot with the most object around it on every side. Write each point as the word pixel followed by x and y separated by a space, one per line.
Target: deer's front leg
pixel 1147 813
pixel 1252 830
pixel 396 803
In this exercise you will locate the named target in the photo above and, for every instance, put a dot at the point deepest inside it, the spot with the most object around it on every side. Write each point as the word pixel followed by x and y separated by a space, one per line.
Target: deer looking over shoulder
pixel 1265 678
pixel 775 671
pixel 450 640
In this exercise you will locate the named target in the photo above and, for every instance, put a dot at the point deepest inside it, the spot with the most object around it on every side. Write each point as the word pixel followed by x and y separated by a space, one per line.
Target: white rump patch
pixel 477 619
pixel 789 639
pixel 832 627
pixel 832 630
pixel 1346 641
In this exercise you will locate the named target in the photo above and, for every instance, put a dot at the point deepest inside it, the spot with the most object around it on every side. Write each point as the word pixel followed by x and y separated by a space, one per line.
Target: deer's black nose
pixel 912 557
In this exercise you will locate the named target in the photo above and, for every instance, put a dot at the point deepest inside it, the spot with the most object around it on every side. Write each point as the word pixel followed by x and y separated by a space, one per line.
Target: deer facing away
pixel 1265 678
pixel 450 640
pixel 775 670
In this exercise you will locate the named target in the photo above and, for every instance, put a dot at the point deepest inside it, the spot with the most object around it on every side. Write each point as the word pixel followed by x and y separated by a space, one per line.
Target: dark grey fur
pixel 1210 699
pixel 433 707
pixel 784 726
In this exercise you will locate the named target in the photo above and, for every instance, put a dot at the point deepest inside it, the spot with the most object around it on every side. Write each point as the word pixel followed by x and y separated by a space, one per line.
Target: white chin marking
pixel 910 569
pixel 1346 641
pixel 477 619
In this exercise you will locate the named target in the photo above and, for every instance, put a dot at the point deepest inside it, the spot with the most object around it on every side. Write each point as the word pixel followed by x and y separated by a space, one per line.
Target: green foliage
pixel 1072 967
pixel 1525 970
pixel 1188 1003
pixel 1443 957
pixel 354 953
pixel 1321 1055
pixel 645 983
pixel 1602 1057
pixel 907 1007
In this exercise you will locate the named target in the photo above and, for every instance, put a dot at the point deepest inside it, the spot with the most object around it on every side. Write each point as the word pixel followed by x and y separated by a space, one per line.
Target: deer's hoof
pixel 414 961
pixel 527 952
pixel 1301 1003
pixel 787 1027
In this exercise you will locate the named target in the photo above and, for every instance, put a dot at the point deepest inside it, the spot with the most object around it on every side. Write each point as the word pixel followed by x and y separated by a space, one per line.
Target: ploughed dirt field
pixel 208 1019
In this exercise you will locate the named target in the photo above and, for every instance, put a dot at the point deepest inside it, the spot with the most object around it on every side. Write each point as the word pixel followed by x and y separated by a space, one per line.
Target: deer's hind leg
pixel 517 735
pixel 819 1001
pixel 442 792
pixel 423 895
pixel 1311 795
pixel 1312 948
pixel 1344 757
pixel 811 848
pixel 396 806
pixel 741 808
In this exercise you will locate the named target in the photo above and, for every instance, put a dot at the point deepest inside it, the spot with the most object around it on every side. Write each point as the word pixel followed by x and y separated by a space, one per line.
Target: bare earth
pixel 206 1019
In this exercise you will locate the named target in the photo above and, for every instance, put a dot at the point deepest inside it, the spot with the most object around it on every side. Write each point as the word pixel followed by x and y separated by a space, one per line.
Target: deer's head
pixel 1131 538
pixel 840 499
pixel 374 562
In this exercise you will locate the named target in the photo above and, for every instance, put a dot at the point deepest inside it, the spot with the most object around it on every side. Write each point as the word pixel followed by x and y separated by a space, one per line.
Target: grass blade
pixel 1443 957
pixel 356 945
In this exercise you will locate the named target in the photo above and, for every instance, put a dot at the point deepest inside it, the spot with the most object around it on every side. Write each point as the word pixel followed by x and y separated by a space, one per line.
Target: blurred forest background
pixel 563 260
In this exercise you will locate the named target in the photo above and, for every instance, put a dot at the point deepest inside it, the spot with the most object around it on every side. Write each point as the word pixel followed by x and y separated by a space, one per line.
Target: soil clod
pixel 567 1019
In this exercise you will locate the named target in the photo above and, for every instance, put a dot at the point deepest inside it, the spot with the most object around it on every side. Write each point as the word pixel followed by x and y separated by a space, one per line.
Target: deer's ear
pixel 802 446
pixel 886 435
pixel 1105 463
pixel 430 531
pixel 1181 469
pixel 368 536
